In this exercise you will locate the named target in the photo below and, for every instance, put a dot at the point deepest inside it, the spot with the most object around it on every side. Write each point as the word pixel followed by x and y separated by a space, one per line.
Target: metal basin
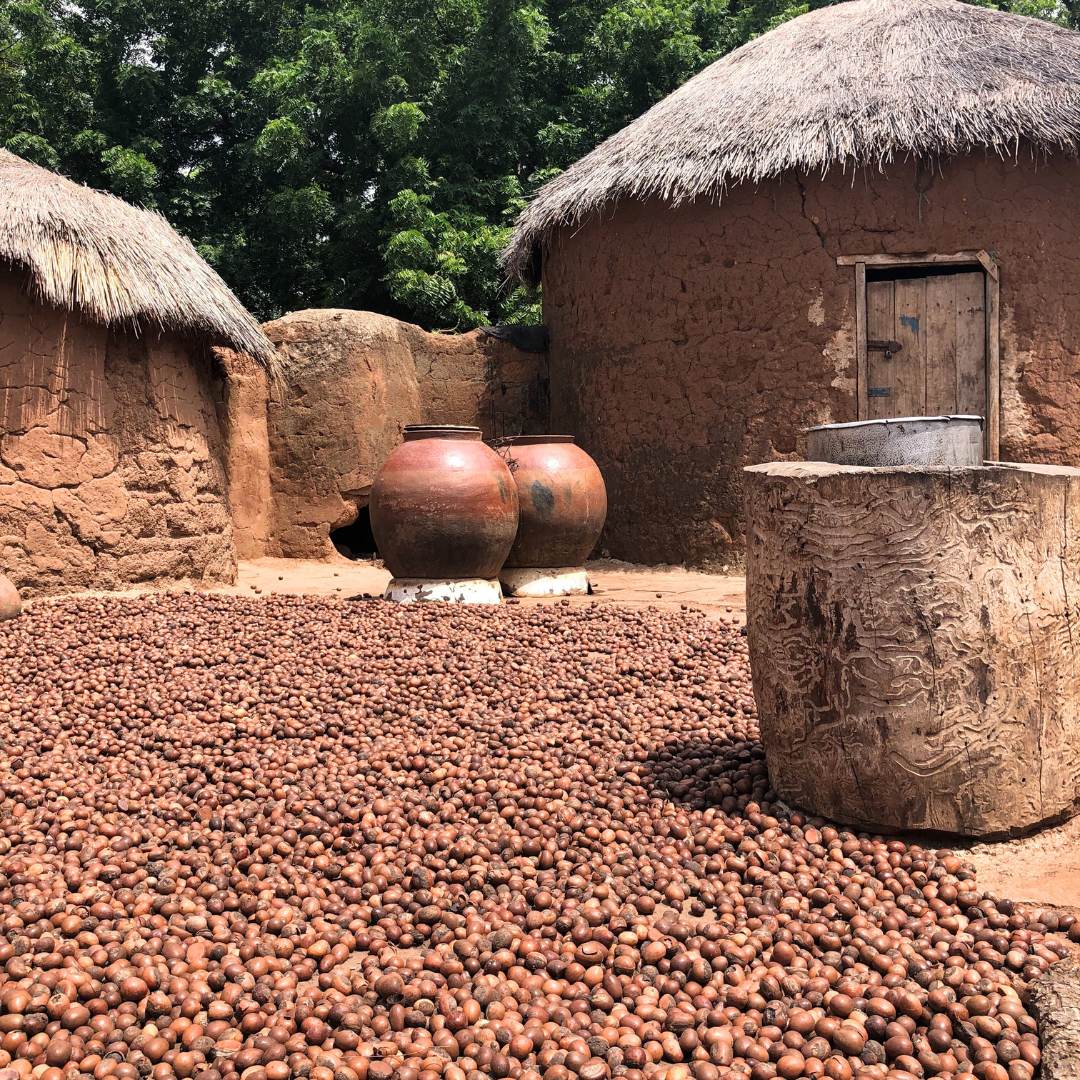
pixel 915 441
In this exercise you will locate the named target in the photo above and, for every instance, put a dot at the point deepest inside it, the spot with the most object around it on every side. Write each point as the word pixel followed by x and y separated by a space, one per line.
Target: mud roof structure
pixel 91 252
pixel 860 83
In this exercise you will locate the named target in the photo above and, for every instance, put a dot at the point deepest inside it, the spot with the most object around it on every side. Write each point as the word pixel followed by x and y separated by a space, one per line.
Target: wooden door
pixel 926 343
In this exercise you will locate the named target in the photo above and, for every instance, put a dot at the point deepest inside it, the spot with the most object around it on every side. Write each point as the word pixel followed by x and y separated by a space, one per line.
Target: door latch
pixel 887 347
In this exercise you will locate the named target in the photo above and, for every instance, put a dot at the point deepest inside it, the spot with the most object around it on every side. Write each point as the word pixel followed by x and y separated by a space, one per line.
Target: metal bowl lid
pixel 416 432
pixel 963 417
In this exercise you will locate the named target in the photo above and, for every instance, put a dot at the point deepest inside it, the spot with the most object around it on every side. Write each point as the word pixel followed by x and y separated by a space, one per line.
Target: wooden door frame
pixel 993 326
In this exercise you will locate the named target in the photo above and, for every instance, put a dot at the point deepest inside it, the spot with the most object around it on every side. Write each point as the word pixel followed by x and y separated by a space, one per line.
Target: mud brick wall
pixel 687 343
pixel 303 454
pixel 110 455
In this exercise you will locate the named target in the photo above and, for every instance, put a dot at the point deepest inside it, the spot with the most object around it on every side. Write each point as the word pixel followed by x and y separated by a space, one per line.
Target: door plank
pixel 971 343
pixel 880 372
pixel 860 342
pixel 909 328
pixel 993 363
pixel 941 373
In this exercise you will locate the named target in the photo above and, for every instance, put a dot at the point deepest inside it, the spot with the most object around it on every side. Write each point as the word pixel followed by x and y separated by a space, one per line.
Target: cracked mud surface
pixel 110 464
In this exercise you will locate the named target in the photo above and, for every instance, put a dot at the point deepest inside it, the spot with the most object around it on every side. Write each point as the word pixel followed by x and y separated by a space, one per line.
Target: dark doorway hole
pixel 356 540
pixel 906 273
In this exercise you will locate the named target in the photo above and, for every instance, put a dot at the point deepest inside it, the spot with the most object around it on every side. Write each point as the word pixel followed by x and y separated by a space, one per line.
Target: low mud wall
pixel 303 453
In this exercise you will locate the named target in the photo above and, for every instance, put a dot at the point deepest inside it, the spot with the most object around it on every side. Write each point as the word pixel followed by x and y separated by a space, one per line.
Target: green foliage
pixel 130 174
pixel 1066 14
pixel 355 153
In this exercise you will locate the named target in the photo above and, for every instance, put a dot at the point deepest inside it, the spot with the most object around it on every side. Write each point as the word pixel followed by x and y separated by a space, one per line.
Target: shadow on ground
pixel 701 773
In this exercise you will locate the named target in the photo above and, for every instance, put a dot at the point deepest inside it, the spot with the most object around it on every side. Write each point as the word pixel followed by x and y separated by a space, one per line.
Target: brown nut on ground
pixel 261 838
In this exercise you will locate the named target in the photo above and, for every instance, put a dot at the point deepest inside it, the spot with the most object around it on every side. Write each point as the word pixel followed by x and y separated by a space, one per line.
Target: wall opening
pixel 910 273
pixel 928 336
pixel 356 540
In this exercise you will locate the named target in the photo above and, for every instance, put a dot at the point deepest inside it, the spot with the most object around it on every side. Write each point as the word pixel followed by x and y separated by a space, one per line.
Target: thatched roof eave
pixel 858 84
pixel 91 252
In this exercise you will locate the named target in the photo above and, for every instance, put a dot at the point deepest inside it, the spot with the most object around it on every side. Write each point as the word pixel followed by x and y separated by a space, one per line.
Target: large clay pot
pixel 563 506
pixel 10 603
pixel 443 506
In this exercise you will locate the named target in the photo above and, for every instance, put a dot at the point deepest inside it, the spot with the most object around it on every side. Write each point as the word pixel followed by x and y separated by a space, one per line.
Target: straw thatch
pixel 91 252
pixel 859 83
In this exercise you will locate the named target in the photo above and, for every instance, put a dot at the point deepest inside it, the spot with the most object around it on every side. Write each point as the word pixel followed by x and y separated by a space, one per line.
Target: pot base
pixel 545 580
pixel 454 591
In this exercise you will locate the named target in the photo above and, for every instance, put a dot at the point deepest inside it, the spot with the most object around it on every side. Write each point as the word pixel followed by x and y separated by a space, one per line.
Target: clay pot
pixel 10 603
pixel 443 506
pixel 563 501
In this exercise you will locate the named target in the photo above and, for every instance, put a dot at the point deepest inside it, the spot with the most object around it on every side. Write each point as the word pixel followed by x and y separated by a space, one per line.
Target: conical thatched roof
pixel 89 251
pixel 858 83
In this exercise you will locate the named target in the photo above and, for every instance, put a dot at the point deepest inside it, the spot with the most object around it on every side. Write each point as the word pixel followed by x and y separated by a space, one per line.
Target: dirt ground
pixel 612 582
pixel 1042 868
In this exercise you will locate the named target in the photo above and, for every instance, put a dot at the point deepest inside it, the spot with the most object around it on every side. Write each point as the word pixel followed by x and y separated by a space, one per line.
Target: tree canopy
pixel 353 153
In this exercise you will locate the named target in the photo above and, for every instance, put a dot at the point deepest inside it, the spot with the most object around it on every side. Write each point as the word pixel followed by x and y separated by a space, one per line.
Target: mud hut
pixel 110 442
pixel 869 211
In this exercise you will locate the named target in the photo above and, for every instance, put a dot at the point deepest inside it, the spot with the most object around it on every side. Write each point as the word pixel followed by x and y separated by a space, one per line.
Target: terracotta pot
pixel 563 501
pixel 10 603
pixel 443 506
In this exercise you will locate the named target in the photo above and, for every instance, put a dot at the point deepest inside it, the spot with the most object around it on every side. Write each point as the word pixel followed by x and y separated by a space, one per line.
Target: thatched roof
pixel 91 252
pixel 858 83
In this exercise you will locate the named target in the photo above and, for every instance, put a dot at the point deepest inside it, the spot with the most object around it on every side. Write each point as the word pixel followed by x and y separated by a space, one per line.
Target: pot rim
pixel 534 440
pixel 446 431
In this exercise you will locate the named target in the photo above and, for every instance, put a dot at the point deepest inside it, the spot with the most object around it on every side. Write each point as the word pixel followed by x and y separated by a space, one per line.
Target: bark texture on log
pixel 913 636
pixel 1055 1002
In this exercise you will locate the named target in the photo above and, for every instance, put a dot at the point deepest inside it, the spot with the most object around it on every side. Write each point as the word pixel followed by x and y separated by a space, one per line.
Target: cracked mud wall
pixel 242 392
pixel 474 378
pixel 354 379
pixel 687 343
pixel 914 645
pixel 110 455
pixel 350 387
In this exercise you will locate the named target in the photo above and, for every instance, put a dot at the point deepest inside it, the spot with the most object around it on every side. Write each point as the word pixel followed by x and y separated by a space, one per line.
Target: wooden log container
pixel 914 640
